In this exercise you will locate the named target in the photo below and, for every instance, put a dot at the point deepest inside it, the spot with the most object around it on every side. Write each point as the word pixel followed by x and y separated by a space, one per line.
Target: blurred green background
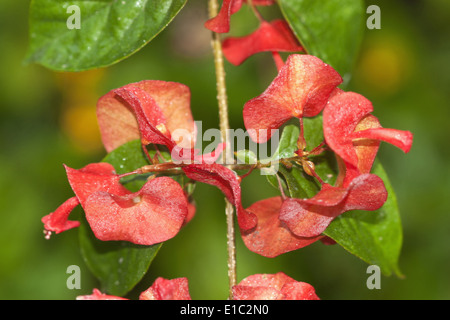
pixel 48 118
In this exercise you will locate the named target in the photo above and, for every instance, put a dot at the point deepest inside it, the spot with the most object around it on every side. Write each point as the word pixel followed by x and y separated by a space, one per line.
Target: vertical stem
pixel 224 126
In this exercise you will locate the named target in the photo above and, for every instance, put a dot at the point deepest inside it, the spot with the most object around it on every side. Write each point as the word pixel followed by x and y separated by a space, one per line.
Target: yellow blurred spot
pixel 79 99
pixel 80 124
pixel 384 66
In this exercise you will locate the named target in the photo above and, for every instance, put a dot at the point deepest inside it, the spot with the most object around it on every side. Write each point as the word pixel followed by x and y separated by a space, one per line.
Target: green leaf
pixel 329 29
pixel 287 144
pixel 246 157
pixel 119 265
pixel 313 131
pixel 109 30
pixel 374 236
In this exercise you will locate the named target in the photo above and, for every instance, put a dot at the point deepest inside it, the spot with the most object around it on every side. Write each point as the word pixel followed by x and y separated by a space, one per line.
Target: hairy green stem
pixel 224 126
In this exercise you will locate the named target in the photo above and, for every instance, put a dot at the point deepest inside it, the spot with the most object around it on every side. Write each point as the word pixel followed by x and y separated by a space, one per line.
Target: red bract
pixel 277 286
pixel 221 22
pixel 161 289
pixel 58 221
pixel 271 238
pixel 354 135
pixel 228 182
pixel 149 110
pixel 310 217
pixel 157 112
pixel 151 215
pixel 301 89
pixel 350 129
pixel 275 36
pixel 98 295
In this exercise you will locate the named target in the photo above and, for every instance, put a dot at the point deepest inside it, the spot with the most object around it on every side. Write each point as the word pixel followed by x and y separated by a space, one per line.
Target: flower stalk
pixel 224 126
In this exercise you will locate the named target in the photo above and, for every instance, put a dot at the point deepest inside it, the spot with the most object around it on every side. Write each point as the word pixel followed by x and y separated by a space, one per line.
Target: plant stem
pixel 224 128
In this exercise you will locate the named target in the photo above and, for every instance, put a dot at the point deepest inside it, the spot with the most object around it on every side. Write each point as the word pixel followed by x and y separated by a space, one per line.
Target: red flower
pixel 271 238
pixel 151 215
pixel 147 110
pixel 301 89
pixel 161 289
pixel 277 286
pixel 221 22
pixel 275 36
pixel 157 112
pixel 150 120
pixel 354 134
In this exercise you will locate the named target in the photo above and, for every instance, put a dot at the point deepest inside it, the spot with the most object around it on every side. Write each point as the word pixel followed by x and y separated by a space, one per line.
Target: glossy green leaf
pixel 109 30
pixel 288 143
pixel 329 29
pixel 119 265
pixel 374 236
pixel 313 131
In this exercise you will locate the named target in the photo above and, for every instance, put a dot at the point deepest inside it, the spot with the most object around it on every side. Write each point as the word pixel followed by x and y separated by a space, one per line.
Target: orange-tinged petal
pixel 221 22
pixel 354 134
pixel 301 89
pixel 269 37
pixel 277 286
pixel 165 105
pixel 310 217
pixel 152 215
pixel 271 238
pixel 98 295
pixel 57 221
pixel 164 289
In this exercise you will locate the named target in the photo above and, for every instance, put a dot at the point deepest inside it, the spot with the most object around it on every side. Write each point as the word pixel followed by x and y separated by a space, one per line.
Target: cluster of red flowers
pixel 305 87
pixel 152 110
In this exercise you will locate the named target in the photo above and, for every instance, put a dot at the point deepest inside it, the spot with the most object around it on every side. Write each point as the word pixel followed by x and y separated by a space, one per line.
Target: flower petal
pixel 221 22
pixel 166 103
pixel 310 217
pixel 97 295
pixel 273 36
pixel 341 115
pixel 152 125
pixel 400 139
pixel 277 286
pixel 57 221
pixel 308 220
pixel 294 290
pixel 92 178
pixel 302 88
pixel 354 134
pixel 185 155
pixel 271 238
pixel 163 289
pixel 152 215
pixel 228 182
pixel 367 192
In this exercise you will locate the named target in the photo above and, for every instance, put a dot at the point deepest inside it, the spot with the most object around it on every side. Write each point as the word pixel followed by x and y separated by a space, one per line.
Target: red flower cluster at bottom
pixel 256 287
